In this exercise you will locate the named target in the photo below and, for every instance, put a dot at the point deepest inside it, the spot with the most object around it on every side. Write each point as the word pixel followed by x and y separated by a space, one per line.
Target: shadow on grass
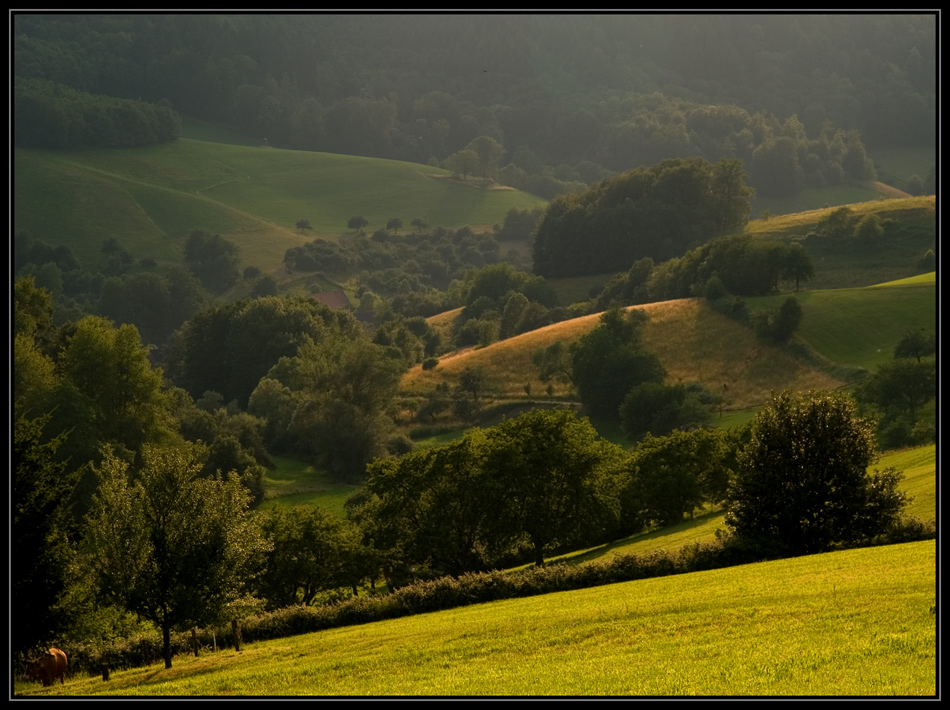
pixel 604 550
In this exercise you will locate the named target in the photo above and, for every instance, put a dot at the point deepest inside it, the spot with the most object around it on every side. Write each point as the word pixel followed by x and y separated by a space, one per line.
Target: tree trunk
pixel 539 554
pixel 194 640
pixel 236 633
pixel 167 644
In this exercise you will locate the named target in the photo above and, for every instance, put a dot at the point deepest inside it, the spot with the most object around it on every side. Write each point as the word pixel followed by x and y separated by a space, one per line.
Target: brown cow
pixel 48 667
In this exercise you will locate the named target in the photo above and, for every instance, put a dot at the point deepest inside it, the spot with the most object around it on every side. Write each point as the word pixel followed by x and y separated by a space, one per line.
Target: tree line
pixel 791 97
pixel 51 115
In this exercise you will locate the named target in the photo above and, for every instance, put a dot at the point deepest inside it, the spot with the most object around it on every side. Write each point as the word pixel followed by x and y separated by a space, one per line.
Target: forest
pixel 569 99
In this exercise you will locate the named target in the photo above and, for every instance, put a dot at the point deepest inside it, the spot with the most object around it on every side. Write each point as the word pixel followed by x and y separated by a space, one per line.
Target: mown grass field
pixel 860 327
pixel 850 623
pixel 151 198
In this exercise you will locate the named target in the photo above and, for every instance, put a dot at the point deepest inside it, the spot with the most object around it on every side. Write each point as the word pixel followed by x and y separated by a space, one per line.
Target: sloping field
pixel 860 327
pixel 919 482
pixel 151 198
pixel 800 223
pixel 694 343
pixel 851 623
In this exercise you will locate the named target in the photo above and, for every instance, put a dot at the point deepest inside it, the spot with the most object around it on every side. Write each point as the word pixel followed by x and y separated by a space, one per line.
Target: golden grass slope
pixel 694 343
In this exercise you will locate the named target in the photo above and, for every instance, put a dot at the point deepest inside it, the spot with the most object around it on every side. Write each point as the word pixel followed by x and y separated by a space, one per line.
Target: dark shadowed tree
pixel 42 535
pixel 802 483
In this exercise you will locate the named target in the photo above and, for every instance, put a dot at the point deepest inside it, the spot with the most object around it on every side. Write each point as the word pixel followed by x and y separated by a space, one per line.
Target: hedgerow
pixel 453 592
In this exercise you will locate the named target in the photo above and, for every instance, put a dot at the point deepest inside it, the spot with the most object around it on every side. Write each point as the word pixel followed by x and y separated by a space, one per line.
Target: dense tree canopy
pixel 802 483
pixel 229 348
pixel 657 212
pixel 732 85
pixel 609 361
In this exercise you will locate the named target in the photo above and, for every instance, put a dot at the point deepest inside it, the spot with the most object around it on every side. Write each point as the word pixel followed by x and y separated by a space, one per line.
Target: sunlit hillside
pixel 694 343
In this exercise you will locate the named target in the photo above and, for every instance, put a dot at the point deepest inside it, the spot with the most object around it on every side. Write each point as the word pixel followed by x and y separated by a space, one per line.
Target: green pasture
pixel 850 623
pixel 860 327
pixel 295 482
pixel 150 198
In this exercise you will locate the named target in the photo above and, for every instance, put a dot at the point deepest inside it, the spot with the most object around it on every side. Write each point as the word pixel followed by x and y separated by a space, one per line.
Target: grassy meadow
pixel 694 343
pixel 860 327
pixel 151 198
pixel 850 623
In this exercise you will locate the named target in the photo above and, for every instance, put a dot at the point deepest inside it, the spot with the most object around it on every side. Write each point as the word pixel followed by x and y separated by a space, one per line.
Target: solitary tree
pixel 171 547
pixel 419 223
pixel 802 484
pixel 303 224
pixel 916 344
pixel 357 222
pixel 394 224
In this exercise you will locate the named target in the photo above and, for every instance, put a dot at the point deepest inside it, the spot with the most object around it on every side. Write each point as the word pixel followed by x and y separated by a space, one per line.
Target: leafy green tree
pixel 869 231
pixel 915 344
pixel 357 223
pixel 465 162
pixel 311 551
pixel 802 485
pixel 732 195
pixel 394 224
pixel 489 152
pixel 901 385
pixel 229 348
pixel 778 326
pixel 266 285
pixel 608 362
pixel 797 265
pixel 557 476
pixel 659 409
pixel 554 362
pixel 667 477
pixel 303 224
pixel 172 547
pixel 435 507
pixel 110 367
pixel 213 259
pixel 419 223
pixel 42 533
pixel 334 396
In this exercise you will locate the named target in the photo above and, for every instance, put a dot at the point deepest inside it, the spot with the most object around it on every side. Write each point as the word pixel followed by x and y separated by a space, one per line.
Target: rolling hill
pixel 845 331
pixel 151 198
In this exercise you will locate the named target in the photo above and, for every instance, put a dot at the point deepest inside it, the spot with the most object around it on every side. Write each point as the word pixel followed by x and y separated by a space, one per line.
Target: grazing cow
pixel 48 667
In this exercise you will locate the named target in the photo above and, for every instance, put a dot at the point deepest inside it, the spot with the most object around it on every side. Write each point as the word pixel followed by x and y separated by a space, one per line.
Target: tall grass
pixel 851 623
pixel 694 343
